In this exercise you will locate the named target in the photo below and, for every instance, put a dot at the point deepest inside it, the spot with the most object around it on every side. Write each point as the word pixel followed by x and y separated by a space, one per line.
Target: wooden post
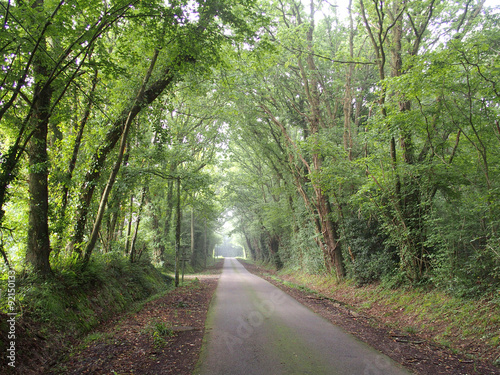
pixel 193 257
pixel 178 233
pixel 205 249
pixel 184 260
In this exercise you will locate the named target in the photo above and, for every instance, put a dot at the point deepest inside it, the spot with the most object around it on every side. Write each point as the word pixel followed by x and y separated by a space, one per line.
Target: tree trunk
pixel 330 234
pixel 348 96
pixel 332 249
pixel 408 188
pixel 264 248
pixel 38 245
pixel 193 255
pixel 205 245
pixel 112 226
pixel 253 254
pixel 129 226
pixel 134 239
pixel 155 225
pixel 258 250
pixel 274 244
pixel 168 215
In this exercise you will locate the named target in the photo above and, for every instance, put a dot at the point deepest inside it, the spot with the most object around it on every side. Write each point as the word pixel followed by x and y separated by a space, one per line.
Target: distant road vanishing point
pixel 254 328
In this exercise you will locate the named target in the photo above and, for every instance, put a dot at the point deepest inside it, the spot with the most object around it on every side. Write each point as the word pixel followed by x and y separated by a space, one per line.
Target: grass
pixel 411 330
pixel 160 331
pixel 93 337
pixel 74 301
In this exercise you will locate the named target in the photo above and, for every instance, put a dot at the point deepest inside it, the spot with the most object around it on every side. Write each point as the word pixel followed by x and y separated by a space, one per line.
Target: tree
pixel 123 142
pixel 409 197
pixel 54 68
pixel 63 54
pixel 366 147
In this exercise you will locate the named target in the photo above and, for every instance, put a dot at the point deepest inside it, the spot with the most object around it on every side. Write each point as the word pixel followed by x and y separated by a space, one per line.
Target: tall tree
pixel 38 249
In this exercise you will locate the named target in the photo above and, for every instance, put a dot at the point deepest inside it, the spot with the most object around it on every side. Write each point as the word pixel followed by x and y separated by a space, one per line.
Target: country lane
pixel 254 328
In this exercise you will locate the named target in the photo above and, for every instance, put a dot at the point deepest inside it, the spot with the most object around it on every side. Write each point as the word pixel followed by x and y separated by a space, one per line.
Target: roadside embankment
pixel 52 313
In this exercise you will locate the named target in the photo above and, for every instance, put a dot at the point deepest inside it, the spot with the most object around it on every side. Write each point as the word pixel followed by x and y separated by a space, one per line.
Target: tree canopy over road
pixel 360 139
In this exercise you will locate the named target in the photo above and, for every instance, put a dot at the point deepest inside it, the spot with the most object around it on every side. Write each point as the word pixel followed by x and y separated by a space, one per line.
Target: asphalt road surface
pixel 254 328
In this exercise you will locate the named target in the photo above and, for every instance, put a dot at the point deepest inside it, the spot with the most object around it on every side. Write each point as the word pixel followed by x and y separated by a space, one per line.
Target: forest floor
pixel 165 337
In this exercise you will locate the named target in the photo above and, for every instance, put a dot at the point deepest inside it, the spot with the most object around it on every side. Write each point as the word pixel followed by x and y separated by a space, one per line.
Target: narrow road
pixel 254 328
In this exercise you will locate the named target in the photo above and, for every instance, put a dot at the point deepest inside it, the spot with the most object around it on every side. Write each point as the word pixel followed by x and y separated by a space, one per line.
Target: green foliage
pixel 76 300
pixel 160 332
pixel 96 56
pixel 409 164
pixel 368 256
pixel 283 123
pixel 301 252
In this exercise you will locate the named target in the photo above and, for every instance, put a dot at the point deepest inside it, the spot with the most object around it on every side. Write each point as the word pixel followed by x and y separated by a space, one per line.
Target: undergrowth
pixel 74 300
pixel 160 332
pixel 80 299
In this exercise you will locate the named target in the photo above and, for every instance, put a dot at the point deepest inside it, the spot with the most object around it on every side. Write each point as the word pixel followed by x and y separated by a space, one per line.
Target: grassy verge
pixel 465 326
pixel 52 312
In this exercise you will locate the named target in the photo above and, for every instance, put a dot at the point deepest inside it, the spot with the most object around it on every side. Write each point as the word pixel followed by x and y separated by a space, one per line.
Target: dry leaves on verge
pixel 133 347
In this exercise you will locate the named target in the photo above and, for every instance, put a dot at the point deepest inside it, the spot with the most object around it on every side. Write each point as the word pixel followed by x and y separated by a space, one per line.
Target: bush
pixel 367 256
pixel 473 275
